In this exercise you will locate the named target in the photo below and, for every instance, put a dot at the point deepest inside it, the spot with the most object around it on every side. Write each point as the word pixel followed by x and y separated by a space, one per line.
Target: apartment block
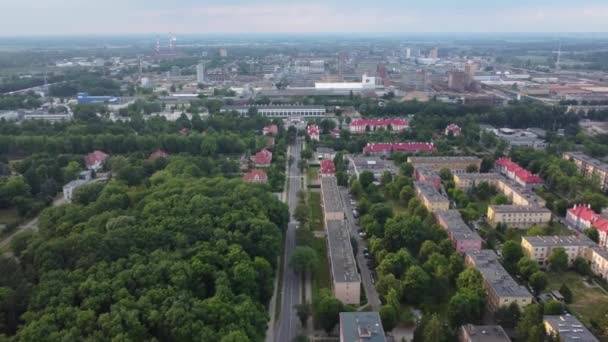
pixel 361 326
pixel 582 217
pixel 516 193
pixel 466 181
pixel 540 248
pixel 430 197
pixel 567 328
pixel 454 164
pixel 501 288
pixel 428 174
pixel 518 216
pixel 589 167
pixel 345 277
pixel 462 237
pixel 333 208
pixel 483 333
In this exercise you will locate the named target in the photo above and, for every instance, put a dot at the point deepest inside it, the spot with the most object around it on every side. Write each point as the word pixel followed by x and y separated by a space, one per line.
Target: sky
pixel 81 17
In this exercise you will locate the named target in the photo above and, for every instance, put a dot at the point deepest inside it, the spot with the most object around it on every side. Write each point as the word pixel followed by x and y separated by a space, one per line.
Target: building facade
pixel 590 167
pixel 431 198
pixel 454 164
pixel 518 216
pixel 462 237
pixel 279 111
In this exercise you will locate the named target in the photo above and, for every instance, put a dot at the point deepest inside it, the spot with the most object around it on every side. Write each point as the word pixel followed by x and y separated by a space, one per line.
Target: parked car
pixel 362 234
pixel 365 250
pixel 355 214
pixel 373 279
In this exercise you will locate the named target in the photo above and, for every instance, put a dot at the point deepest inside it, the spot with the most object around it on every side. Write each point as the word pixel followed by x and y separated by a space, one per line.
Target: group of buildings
pixel 386 149
pixel 371 125
pixel 517 184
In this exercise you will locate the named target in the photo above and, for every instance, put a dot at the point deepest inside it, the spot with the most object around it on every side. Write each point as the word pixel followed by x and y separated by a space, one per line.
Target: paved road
pixel 366 277
pixel 286 329
pixel 30 225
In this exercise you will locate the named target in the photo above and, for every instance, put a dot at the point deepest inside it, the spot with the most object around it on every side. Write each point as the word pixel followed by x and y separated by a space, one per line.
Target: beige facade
pixel 518 216
pixel 516 194
pixel 589 167
pixel 455 164
pixel 430 197
pixel 539 249
pixel 333 208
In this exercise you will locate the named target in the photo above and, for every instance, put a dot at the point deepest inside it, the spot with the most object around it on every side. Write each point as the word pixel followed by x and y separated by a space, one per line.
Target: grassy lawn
pixel 312 174
pixel 321 279
pixel 316 213
pixel 588 302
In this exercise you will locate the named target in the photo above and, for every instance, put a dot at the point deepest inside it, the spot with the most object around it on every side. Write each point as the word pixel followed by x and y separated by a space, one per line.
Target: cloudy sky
pixel 61 17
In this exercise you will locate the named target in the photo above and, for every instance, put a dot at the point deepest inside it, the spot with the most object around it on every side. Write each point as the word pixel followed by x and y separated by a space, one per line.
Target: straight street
pixel 366 275
pixel 287 327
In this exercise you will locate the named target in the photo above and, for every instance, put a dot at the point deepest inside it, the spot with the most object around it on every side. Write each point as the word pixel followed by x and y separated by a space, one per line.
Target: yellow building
pixel 540 248
pixel 454 164
pixel 519 216
pixel 589 167
pixel 501 289
pixel 430 197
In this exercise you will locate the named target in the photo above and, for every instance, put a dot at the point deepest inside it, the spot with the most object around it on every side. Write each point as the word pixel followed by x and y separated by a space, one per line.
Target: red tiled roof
pixel 95 157
pixel 264 157
pixel 380 122
pixel 400 147
pixel 158 154
pixel 519 172
pixel 256 176
pixel 327 167
pixel 585 213
pixel 454 128
pixel 312 130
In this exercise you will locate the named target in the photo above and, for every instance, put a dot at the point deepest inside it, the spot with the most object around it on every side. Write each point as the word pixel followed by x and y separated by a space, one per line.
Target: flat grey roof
pixel 427 172
pixel 486 261
pixel 443 159
pixel 479 176
pixel 508 208
pixel 361 326
pixel 559 241
pixel 341 256
pixel 585 158
pixel 485 333
pixel 372 163
pixel 570 329
pixel 428 190
pixel 332 202
pixel 457 228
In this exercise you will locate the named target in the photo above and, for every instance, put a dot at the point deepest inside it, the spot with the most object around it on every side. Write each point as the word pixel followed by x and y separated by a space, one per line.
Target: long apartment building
pixel 333 209
pixel 539 249
pixel 432 199
pixel 454 164
pixel 518 174
pixel 500 287
pixel 344 274
pixel 567 328
pixel 462 237
pixel 589 167
pixel 346 281
pixel 285 111
pixel 527 208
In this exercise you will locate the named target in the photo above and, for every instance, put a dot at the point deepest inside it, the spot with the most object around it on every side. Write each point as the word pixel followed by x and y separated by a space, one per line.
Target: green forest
pixel 182 259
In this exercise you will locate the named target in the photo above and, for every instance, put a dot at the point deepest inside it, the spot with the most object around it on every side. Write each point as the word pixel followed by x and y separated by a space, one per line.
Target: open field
pixel 589 301
pixel 316 213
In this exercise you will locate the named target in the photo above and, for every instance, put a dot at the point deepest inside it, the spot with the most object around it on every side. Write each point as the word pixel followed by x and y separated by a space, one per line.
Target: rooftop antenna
pixel 157 45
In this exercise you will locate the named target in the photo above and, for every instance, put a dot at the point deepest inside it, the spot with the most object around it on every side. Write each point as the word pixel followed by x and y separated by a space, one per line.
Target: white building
pixel 367 83
pixel 279 111
pixel 200 73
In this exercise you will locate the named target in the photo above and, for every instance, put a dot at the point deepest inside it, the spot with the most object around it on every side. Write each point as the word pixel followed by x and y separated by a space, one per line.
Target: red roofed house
pixel 271 130
pixel 158 154
pixel 327 168
pixel 313 132
pixel 582 217
pixel 95 160
pixel 263 158
pixel 454 129
pixel 517 173
pixel 256 176
pixel 365 125
pixel 388 148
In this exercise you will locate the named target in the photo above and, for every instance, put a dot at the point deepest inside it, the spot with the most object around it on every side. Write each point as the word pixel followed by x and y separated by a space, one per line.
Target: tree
pixel 434 330
pixel 538 281
pixel 553 307
pixel 472 168
pixel 389 318
pixel 301 212
pixel 558 261
pixel 70 171
pixel 593 234
pixel 582 266
pixel 303 311
pixel 529 324
pixel 406 194
pixel 565 291
pixel 446 174
pixel 327 310
pixel 465 306
pixel 511 253
pixel 507 316
pixel 407 169
pixel 366 178
pixel 415 285
pixel 500 199
pixel 303 259
pixel 527 267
